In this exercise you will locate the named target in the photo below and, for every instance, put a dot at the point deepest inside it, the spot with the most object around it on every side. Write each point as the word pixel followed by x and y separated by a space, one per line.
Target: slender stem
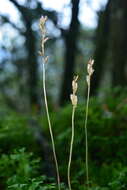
pixel 50 128
pixel 71 148
pixel 86 136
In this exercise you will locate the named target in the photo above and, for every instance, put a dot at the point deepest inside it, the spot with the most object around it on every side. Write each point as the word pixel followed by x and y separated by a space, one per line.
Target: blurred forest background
pixel 73 40
pixel 71 45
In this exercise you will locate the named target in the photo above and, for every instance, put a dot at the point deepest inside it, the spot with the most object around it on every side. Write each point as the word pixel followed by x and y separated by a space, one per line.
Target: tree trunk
pixel 119 42
pixel 102 36
pixel 46 150
pixel 70 54
pixel 32 65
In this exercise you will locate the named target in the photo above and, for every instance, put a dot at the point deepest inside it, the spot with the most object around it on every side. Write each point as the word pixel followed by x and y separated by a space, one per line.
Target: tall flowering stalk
pixel 44 61
pixel 74 100
pixel 90 71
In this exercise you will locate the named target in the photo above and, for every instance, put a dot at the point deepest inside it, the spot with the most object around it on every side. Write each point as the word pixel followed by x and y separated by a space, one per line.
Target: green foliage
pixel 120 180
pixel 37 183
pixel 107 137
pixel 19 166
pixel 15 132
pixel 20 171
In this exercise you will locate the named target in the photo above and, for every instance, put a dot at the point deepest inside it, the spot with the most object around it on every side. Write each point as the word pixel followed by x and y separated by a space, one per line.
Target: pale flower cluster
pixel 73 96
pixel 90 71
pixel 43 33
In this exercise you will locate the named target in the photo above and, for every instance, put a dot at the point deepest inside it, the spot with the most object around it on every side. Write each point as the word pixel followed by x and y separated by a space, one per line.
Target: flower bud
pixel 74 99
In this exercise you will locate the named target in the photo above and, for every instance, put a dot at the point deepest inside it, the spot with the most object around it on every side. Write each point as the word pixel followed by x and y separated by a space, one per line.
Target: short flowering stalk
pixel 90 71
pixel 44 61
pixel 74 101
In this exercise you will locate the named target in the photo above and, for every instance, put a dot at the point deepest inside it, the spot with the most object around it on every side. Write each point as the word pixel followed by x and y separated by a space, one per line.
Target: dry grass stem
pixel 90 71
pixel 44 61
pixel 74 100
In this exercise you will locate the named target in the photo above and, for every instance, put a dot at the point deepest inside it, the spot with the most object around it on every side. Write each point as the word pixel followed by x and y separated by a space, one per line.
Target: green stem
pixel 86 136
pixel 71 148
pixel 50 128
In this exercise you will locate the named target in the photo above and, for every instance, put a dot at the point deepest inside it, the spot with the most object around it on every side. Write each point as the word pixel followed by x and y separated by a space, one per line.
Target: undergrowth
pixel 107 136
